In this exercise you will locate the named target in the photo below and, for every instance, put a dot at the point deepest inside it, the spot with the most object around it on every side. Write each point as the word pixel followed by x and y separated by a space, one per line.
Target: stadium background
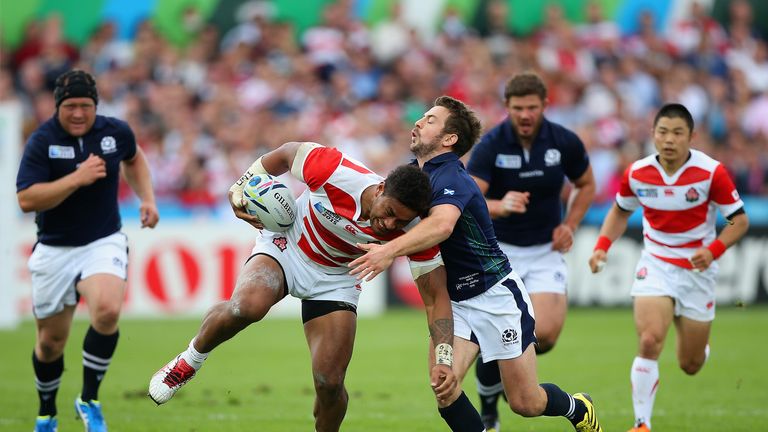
pixel 210 85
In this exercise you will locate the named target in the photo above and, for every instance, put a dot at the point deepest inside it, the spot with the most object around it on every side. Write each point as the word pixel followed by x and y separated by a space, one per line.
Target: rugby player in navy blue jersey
pixel 492 312
pixel 69 176
pixel 520 165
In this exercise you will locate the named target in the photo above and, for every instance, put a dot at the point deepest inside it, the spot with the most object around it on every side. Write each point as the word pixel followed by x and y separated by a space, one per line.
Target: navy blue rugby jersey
pixel 473 260
pixel 91 212
pixel 499 159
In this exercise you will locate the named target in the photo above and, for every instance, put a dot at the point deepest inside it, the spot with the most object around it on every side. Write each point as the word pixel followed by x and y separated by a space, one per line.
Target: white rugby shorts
pixel 305 281
pixel 56 270
pixel 692 292
pixel 500 321
pixel 542 269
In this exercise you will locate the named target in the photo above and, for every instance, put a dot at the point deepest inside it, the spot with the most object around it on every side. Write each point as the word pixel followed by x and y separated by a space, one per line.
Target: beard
pixel 421 149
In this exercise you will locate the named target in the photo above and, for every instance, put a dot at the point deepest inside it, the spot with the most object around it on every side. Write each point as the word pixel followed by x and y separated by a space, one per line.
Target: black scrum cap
pixel 75 83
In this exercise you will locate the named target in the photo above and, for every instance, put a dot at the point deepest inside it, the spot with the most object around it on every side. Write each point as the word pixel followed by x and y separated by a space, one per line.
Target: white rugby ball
pixel 271 201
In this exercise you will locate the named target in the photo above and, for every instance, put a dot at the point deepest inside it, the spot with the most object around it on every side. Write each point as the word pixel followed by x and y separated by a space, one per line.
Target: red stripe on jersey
pixel 349 164
pixel 680 262
pixel 676 221
pixel 624 189
pixel 692 244
pixel 385 237
pixel 342 202
pixel 722 190
pixel 318 245
pixel 649 175
pixel 692 175
pixel 332 239
pixel 307 249
pixel 426 254
pixel 320 164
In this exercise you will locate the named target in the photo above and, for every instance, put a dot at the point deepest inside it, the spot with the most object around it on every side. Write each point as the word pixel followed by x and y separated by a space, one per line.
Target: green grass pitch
pixel 260 381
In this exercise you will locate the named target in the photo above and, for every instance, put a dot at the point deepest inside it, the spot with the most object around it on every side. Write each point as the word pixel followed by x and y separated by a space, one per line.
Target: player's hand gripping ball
pixel 271 201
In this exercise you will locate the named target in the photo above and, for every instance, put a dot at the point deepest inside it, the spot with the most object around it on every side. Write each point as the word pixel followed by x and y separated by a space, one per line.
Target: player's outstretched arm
pixel 139 178
pixel 437 305
pixel 613 227
pixel 429 232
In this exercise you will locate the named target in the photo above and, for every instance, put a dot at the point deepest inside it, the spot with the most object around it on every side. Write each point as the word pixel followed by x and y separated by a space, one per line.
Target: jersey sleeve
pixel 625 197
pixel 575 160
pixel 481 162
pixel 452 189
pixel 34 167
pixel 723 192
pixel 131 149
pixel 315 166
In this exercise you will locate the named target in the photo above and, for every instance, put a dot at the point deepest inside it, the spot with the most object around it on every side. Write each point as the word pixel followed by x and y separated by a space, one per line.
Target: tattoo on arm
pixel 441 331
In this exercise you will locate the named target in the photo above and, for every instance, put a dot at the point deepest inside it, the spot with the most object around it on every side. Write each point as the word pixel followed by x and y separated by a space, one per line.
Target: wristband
pixel 237 188
pixel 603 243
pixel 444 354
pixel 717 248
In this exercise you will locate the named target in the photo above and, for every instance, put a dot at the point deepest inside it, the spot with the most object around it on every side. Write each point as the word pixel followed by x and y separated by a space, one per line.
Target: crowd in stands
pixel 204 111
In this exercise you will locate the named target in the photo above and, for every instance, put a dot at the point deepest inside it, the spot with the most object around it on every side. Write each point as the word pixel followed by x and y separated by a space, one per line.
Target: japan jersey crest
pixel 281 243
pixel 692 195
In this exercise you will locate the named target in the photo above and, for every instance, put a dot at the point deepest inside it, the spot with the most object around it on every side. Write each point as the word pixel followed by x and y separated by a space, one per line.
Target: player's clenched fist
pixel 90 170
pixel 597 260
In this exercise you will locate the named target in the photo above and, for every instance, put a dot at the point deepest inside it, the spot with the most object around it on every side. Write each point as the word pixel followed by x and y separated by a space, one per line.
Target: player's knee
pixel 691 366
pixel 650 344
pixel 51 347
pixel 251 310
pixel 105 316
pixel 329 386
pixel 544 345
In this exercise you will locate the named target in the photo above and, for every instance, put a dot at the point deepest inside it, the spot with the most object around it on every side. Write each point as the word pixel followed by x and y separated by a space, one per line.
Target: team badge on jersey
pixel 281 243
pixel 552 157
pixel 108 145
pixel 692 195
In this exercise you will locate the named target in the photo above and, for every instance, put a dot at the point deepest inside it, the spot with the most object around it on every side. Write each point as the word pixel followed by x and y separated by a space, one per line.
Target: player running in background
pixel 69 176
pixel 492 312
pixel 345 203
pixel 680 190
pixel 520 165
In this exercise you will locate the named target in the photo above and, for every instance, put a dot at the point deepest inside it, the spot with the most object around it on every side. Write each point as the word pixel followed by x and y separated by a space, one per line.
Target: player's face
pixel 526 114
pixel 389 214
pixel 427 135
pixel 672 139
pixel 77 115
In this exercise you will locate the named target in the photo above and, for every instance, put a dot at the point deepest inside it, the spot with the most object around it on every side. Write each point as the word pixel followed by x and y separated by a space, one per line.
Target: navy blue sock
pixel 461 416
pixel 47 380
pixel 489 387
pixel 97 353
pixel 560 403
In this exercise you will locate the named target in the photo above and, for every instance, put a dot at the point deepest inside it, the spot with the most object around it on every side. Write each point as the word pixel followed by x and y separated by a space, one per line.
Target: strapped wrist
pixel 256 168
pixel 603 243
pixel 444 354
pixel 717 248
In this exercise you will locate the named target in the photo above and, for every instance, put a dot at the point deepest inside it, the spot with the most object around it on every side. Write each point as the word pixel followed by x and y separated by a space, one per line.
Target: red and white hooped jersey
pixel 327 226
pixel 678 210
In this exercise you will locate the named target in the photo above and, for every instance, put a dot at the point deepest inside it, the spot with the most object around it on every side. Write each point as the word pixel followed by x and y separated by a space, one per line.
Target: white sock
pixel 645 382
pixel 193 357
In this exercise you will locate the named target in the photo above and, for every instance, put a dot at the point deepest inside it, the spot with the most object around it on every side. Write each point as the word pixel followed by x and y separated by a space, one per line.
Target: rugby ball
pixel 271 201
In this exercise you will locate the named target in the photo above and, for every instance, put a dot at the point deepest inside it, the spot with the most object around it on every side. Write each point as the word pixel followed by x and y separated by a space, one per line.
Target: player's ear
pixel 379 190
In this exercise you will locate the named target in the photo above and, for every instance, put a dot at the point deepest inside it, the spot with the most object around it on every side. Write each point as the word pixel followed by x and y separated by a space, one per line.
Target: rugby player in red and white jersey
pixel 680 190
pixel 344 204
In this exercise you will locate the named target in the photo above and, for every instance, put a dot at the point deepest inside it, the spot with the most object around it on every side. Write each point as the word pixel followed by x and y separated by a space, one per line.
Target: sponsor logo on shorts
pixel 710 305
pixel 117 262
pixel 642 273
pixel 509 336
pixel 692 195
pixel 281 243
pixel 559 276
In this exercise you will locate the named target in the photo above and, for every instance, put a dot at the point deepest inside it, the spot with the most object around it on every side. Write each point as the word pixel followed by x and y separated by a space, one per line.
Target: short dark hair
pixel 462 121
pixel 524 84
pixel 675 110
pixel 409 185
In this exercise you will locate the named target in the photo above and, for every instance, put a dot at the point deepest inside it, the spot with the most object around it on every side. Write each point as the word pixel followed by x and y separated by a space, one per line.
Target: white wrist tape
pixel 237 188
pixel 444 354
